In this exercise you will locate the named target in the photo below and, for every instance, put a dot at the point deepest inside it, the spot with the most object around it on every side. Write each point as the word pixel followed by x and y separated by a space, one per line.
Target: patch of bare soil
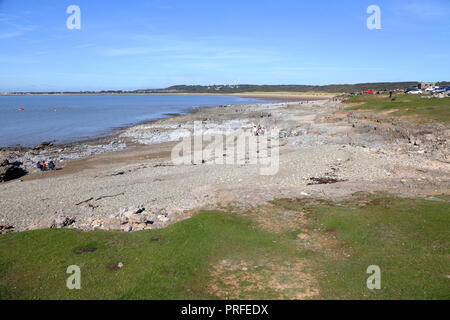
pixel 274 280
pixel 276 220
pixel 269 277
pixel 114 266
pixel 118 158
pixel 297 221
pixel 85 250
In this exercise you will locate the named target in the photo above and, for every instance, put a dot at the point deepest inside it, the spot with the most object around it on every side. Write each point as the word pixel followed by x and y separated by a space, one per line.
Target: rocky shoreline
pixel 119 139
pixel 129 183
pixel 60 154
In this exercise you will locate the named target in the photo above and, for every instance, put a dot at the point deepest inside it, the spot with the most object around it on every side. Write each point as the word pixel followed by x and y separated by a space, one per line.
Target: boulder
pixel 6 229
pixel 163 218
pixel 137 219
pixel 127 228
pixel 112 224
pixel 139 227
pixel 62 222
pixel 43 146
pixel 150 219
pixel 95 223
pixel 10 171
pixel 129 212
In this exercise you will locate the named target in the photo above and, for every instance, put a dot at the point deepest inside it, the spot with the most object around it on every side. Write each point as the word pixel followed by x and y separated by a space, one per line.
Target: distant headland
pixel 247 88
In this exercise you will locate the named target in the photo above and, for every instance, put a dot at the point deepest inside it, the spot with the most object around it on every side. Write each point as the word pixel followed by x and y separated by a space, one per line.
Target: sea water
pixel 28 120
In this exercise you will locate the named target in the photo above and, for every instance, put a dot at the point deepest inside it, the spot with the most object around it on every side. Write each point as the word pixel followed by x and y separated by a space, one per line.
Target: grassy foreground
pixel 424 108
pixel 161 264
pixel 256 254
pixel 409 239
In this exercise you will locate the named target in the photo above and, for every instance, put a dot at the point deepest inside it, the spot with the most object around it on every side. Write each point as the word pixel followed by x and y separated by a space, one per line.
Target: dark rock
pixel 325 180
pixel 85 250
pixel 62 222
pixel 43 146
pixel 6 229
pixel 160 240
pixel 10 171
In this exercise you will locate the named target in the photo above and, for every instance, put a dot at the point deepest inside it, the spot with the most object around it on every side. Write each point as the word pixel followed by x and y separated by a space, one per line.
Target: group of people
pixel 44 166
pixel 259 130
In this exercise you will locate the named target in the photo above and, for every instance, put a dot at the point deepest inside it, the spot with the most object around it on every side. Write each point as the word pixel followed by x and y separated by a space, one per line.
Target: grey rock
pixel 112 224
pixel 43 146
pixel 6 229
pixel 10 171
pixel 129 212
pixel 62 222
pixel 128 228
pixel 137 218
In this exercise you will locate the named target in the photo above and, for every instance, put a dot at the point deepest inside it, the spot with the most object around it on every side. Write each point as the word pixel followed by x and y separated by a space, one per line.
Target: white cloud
pixel 23 27
pixel 83 46
pixel 427 9
pixel 11 28
pixel 8 35
pixel 204 50
pixel 124 52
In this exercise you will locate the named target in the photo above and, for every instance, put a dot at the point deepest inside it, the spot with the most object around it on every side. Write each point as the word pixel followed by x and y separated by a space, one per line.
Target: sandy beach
pixel 100 179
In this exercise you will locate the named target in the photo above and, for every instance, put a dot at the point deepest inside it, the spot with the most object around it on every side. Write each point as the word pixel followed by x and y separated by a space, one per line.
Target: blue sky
pixel 157 43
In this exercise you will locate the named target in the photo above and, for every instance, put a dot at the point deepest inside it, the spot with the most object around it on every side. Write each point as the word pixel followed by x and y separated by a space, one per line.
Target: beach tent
pixel 369 91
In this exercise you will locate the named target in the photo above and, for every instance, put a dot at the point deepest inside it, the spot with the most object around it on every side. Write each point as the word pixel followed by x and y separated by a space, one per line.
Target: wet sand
pixel 118 158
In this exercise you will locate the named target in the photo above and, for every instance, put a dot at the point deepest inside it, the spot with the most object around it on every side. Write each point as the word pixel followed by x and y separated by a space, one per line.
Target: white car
pixel 431 89
pixel 415 91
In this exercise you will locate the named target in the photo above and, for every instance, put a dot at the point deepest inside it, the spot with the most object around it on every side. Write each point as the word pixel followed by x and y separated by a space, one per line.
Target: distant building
pixel 425 85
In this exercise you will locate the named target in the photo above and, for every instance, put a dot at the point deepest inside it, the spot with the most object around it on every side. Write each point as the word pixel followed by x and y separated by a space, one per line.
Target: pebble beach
pixel 101 180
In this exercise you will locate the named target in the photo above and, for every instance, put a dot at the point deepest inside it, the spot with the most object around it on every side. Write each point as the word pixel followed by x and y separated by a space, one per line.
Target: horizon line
pixel 221 85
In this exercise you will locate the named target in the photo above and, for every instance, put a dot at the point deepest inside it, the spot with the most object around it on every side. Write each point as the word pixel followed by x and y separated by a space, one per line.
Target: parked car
pixel 431 89
pixel 440 90
pixel 413 91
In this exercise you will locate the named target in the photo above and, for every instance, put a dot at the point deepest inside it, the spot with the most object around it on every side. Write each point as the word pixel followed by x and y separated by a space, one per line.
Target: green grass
pixel 405 105
pixel 33 264
pixel 408 238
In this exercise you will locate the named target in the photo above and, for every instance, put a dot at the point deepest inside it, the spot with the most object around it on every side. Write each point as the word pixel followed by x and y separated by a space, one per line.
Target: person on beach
pixel 255 131
pixel 38 166
pixel 43 166
pixel 51 165
pixel 260 131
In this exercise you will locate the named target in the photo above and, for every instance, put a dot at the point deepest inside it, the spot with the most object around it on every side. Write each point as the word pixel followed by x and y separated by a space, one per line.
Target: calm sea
pixel 68 118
